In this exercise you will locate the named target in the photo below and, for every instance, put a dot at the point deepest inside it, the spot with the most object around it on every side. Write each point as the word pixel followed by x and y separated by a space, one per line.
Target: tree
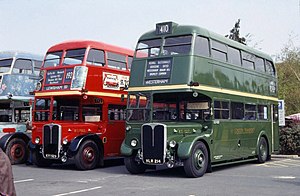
pixel 288 72
pixel 235 33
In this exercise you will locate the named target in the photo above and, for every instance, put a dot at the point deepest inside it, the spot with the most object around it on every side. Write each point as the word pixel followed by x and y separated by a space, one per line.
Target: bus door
pixel 222 141
pixel 115 129
pixel 221 131
pixel 275 128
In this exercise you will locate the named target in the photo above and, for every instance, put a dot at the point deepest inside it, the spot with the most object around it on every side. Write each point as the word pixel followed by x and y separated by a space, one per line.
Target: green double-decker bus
pixel 198 100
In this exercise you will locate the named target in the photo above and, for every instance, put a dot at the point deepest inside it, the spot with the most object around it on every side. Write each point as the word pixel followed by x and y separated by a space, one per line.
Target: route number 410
pixel 163 28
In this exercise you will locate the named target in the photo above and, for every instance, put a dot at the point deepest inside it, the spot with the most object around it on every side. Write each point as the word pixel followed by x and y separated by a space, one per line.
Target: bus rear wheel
pixel 263 150
pixel 134 166
pixel 87 156
pixel 197 164
pixel 17 151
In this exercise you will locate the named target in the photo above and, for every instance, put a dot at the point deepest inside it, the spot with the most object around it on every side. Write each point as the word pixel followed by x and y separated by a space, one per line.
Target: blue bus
pixel 19 75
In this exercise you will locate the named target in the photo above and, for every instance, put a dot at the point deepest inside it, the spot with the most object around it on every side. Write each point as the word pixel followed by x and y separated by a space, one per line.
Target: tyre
pixel 263 150
pixel 88 156
pixel 133 165
pixel 38 160
pixel 197 164
pixel 17 151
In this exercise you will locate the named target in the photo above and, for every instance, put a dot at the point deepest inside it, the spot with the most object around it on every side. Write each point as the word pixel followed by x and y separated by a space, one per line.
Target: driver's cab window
pixel 196 111
pixel 116 112
pixel 92 113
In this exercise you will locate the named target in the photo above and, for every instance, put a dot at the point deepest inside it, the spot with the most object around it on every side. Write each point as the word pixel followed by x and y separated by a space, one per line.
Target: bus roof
pixel 72 44
pixel 18 54
pixel 190 29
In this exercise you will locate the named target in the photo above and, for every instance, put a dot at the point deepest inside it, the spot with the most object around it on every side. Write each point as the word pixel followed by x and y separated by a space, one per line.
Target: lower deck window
pixel 221 109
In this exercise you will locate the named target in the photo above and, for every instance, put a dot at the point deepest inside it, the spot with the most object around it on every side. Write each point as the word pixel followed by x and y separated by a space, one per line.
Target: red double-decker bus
pixel 79 107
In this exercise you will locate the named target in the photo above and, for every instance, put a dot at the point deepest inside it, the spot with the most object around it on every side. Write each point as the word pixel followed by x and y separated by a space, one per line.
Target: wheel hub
pixel 199 159
pixel 17 151
pixel 88 154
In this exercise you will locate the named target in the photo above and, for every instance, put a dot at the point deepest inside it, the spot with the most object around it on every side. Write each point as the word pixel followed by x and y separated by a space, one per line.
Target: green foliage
pixel 288 72
pixel 235 33
pixel 289 138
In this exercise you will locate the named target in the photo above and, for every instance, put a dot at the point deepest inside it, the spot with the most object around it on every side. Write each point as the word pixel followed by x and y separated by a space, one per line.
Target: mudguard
pixel 4 140
pixel 186 144
pixel 76 142
pixel 263 134
pixel 125 149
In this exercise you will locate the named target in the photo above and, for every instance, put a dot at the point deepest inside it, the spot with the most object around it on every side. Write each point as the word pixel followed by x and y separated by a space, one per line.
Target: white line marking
pixel 284 177
pixel 26 180
pixel 79 191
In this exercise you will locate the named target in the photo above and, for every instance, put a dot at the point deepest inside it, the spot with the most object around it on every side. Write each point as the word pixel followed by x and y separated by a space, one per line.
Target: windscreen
pixel 180 107
pixel 52 59
pixel 138 107
pixel 171 46
pixel 5 65
pixel 74 57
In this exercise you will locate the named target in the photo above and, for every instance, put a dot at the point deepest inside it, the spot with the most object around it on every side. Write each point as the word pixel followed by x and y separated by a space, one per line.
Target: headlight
pixel 37 140
pixel 128 127
pixel 172 143
pixel 133 143
pixel 65 141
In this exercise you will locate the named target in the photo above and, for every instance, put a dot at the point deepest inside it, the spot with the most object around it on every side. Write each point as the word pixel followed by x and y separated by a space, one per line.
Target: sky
pixel 35 25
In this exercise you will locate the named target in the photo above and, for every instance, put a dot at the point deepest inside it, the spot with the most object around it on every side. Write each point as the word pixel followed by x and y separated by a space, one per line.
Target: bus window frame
pixel 72 57
pixel 61 52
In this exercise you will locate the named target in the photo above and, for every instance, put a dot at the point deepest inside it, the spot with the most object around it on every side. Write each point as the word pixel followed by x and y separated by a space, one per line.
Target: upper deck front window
pixel 23 66
pixel 177 45
pixel 5 65
pixel 74 57
pixel 148 48
pixel 52 59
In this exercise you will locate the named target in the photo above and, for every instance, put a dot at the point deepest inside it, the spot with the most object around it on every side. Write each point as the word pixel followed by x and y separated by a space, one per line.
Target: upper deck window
pixel 234 56
pixel 259 64
pixel 177 45
pixel 202 46
pixel 130 58
pixel 52 59
pixel 37 67
pixel 116 61
pixel 218 51
pixel 248 60
pixel 148 48
pixel 270 68
pixel 74 57
pixel 23 66
pixel 96 57
pixel 5 65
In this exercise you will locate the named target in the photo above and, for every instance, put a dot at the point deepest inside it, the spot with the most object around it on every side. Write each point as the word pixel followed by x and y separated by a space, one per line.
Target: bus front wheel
pixel 17 151
pixel 87 156
pixel 197 164
pixel 134 166
pixel 263 151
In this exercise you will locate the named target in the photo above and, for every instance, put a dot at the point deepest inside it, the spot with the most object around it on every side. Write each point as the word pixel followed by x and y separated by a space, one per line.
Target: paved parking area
pixel 276 177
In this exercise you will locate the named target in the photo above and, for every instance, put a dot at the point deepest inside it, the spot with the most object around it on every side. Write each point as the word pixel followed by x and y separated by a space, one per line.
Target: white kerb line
pixel 26 180
pixel 79 191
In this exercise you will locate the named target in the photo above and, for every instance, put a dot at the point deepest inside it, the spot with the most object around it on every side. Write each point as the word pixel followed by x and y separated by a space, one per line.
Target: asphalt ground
pixel 280 176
